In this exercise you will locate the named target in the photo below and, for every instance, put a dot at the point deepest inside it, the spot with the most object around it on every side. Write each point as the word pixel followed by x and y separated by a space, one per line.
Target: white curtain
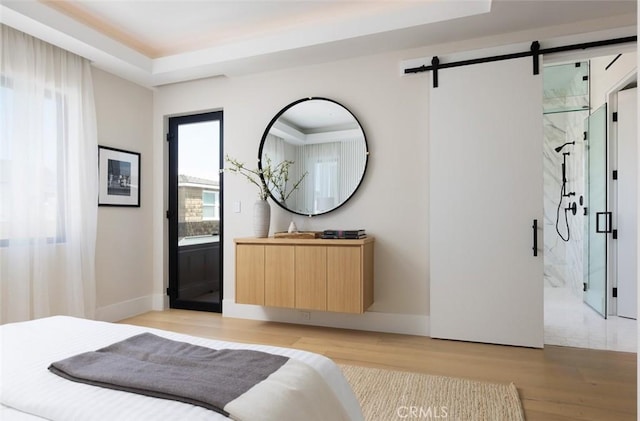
pixel 274 149
pixel 322 160
pixel 353 158
pixel 48 181
pixel 277 150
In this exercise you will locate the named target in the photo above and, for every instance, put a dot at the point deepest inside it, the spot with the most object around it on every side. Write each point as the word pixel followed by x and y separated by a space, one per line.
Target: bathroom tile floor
pixel 570 322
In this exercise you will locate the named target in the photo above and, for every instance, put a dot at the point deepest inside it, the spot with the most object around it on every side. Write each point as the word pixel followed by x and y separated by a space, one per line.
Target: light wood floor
pixel 557 383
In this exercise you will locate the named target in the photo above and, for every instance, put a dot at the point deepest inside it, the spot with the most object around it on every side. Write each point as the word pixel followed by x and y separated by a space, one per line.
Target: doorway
pixel 581 214
pixel 195 211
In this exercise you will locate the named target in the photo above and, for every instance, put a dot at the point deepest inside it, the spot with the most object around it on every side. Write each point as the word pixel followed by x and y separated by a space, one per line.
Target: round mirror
pixel 313 156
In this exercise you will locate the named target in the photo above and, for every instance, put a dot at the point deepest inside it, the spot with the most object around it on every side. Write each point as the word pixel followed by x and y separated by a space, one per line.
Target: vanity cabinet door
pixel 319 275
pixel 311 277
pixel 344 279
pixel 279 272
pixel 250 274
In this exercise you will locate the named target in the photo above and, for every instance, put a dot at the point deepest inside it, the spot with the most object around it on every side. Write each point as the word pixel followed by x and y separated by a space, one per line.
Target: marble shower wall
pixel 563 260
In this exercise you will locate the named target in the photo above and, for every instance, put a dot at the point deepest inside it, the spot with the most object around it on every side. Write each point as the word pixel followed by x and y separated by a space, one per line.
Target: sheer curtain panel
pixel 48 181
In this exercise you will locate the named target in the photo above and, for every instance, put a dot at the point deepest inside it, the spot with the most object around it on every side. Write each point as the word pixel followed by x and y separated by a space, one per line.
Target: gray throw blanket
pixel 154 366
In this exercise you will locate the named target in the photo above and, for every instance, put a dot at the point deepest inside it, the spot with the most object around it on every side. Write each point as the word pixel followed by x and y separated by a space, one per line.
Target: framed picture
pixel 119 177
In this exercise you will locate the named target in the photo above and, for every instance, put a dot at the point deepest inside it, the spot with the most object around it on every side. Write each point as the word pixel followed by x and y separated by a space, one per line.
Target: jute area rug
pixel 387 395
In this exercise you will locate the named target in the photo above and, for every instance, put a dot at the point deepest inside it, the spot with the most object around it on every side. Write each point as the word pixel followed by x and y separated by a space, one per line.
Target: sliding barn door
pixel 485 194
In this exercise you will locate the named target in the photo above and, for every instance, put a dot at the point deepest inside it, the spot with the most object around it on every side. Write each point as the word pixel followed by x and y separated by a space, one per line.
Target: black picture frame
pixel 118 177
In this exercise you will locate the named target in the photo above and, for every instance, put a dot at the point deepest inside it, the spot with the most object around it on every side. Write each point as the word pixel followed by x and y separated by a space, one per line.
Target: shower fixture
pixel 559 148
pixel 563 193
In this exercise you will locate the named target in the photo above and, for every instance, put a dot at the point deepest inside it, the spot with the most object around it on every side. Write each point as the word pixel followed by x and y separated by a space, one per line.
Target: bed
pixel 30 392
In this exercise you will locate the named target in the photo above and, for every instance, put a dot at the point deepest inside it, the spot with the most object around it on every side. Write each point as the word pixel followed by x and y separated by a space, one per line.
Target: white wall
pixel 391 203
pixel 604 80
pixel 123 251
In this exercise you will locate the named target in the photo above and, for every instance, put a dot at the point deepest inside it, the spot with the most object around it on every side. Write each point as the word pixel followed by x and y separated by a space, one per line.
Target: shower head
pixel 559 148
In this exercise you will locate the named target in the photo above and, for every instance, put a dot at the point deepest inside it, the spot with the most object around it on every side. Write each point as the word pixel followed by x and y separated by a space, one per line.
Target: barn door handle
pixel 535 237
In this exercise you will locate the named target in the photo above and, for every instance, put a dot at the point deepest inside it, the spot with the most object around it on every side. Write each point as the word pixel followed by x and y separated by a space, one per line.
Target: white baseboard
pixel 125 309
pixel 409 324
pixel 160 302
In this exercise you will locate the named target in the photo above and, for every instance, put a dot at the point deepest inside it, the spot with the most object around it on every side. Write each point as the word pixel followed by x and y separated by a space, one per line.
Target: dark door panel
pixel 195 216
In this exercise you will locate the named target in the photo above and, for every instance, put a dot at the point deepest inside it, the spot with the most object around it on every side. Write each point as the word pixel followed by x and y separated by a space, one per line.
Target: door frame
pixel 172 213
pixel 612 188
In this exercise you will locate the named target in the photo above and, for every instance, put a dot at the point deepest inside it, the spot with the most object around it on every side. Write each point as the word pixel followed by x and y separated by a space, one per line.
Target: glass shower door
pixel 599 220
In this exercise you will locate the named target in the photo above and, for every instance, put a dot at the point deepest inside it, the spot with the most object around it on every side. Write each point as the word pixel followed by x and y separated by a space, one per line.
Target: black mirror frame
pixel 266 132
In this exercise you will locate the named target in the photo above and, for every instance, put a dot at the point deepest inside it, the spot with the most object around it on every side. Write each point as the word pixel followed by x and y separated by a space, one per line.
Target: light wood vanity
pixel 306 274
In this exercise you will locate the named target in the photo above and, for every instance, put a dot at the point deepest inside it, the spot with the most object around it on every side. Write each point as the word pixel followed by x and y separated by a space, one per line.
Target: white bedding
pixel 29 391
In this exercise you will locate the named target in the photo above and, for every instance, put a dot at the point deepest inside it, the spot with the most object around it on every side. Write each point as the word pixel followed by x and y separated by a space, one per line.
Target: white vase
pixel 261 218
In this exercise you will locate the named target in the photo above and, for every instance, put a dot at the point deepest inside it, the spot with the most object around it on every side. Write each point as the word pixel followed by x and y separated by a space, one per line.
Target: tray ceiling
pixel 160 42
